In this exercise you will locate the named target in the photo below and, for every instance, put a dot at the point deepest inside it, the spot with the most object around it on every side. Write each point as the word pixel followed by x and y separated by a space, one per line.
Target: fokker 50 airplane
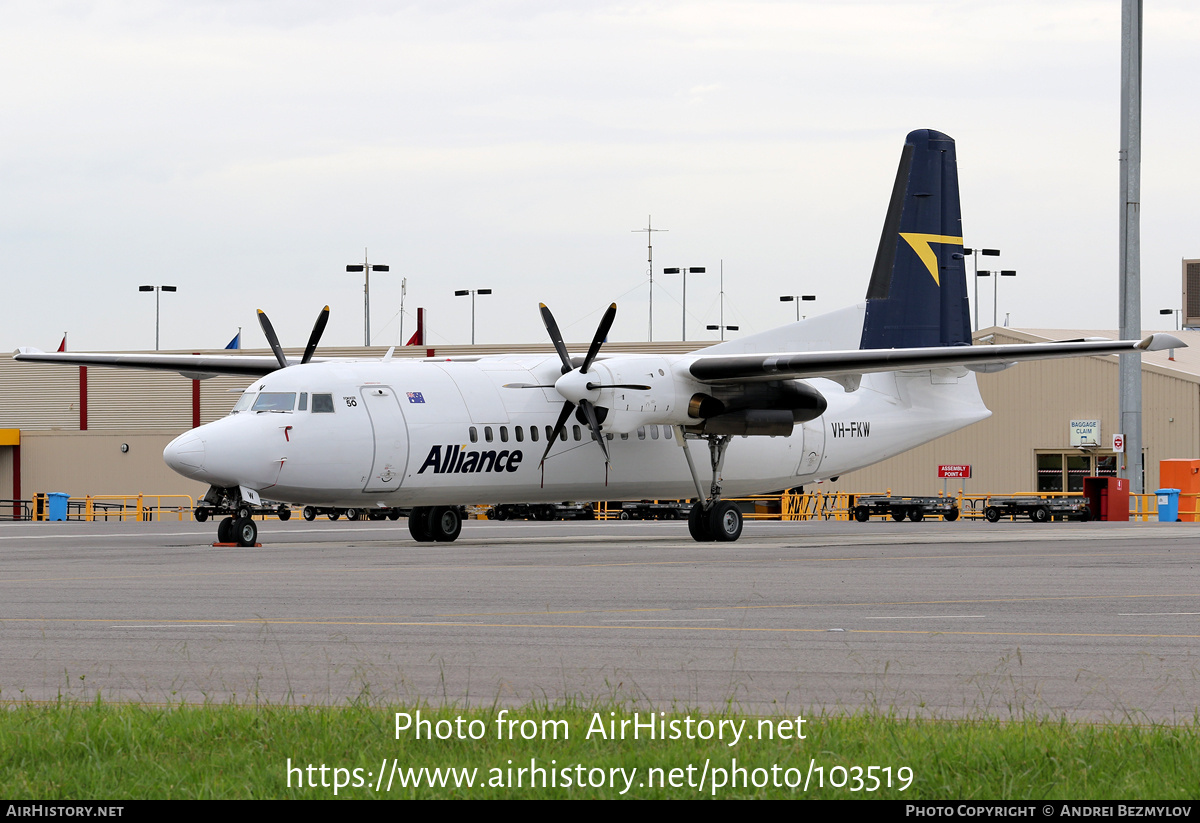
pixel 809 400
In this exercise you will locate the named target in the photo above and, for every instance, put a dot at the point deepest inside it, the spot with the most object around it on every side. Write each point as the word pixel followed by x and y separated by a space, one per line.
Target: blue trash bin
pixel 56 506
pixel 1168 505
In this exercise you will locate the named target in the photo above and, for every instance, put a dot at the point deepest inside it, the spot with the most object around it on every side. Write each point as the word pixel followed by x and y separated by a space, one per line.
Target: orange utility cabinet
pixel 1108 497
pixel 1185 476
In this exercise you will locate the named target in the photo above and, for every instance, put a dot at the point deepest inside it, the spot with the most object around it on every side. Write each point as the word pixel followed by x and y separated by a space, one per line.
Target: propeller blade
pixel 315 337
pixel 526 386
pixel 601 335
pixel 556 337
pixel 595 424
pixel 559 427
pixel 272 338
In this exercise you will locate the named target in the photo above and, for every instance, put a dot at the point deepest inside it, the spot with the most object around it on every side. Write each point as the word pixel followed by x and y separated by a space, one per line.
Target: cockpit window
pixel 276 401
pixel 243 402
pixel 322 403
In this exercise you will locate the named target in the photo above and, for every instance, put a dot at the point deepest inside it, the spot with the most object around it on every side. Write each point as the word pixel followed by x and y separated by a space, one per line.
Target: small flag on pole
pixel 63 345
pixel 236 342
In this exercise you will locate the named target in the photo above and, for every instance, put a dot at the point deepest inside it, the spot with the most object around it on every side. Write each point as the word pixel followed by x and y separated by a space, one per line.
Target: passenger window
pixel 576 432
pixel 474 435
pixel 322 404
pixel 533 433
pixel 624 435
pixel 275 401
pixel 667 433
pixel 504 434
pixel 609 435
pixel 654 432
pixel 520 435
pixel 487 433
pixel 549 433
pixel 641 432
pixel 564 434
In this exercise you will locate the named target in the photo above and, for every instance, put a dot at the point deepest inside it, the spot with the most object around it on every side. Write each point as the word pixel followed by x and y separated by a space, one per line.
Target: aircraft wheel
pixel 353 514
pixel 244 511
pixel 418 524
pixel 897 514
pixel 334 515
pixel 862 514
pixel 393 514
pixel 201 514
pixel 725 522
pixel 445 523
pixel 991 514
pixel 698 524
pixel 309 513
pixel 952 515
pixel 284 513
pixel 245 531
pixel 1040 515
pixel 916 515
pixel 225 530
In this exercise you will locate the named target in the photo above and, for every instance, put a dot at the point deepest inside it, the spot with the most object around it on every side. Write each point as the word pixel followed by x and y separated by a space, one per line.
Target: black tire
pixel 225 530
pixel 725 522
pixel 501 514
pixel 698 524
pixel 1040 515
pixel 991 514
pixel 244 511
pixel 418 524
pixel 952 515
pixel 393 514
pixel 334 515
pixel 898 515
pixel 445 523
pixel 245 532
pixel 862 514
pixel 309 513
pixel 201 514
pixel 284 513
pixel 353 514
pixel 916 515
pixel 491 513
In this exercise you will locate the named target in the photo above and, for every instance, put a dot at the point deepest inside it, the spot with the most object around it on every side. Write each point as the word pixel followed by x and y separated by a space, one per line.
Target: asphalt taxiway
pixel 1088 620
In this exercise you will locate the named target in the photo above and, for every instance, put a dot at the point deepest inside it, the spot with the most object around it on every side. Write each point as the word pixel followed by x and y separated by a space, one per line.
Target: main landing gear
pixel 713 519
pixel 442 524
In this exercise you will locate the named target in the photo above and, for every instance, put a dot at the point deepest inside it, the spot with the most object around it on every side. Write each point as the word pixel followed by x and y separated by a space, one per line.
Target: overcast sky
pixel 247 150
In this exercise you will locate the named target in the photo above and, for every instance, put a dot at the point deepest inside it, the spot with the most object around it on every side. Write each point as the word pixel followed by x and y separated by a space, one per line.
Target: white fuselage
pixel 421 433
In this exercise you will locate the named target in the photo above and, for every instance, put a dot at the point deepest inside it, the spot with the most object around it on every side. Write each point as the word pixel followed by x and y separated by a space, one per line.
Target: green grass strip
pixel 118 751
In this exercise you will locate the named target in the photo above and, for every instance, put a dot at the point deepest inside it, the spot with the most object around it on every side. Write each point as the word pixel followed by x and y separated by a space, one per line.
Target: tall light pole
pixel 974 255
pixel 1175 312
pixel 472 292
pixel 797 299
pixel 685 271
pixel 996 291
pixel 366 268
pixel 156 290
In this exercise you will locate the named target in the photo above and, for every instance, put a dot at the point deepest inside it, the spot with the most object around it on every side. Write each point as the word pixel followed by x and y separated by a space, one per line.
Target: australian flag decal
pixel 415 397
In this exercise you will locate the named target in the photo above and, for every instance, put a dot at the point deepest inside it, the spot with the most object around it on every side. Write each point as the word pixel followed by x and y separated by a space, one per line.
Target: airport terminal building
pixel 101 431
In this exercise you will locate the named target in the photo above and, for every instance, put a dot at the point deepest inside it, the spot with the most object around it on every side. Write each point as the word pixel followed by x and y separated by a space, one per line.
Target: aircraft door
pixel 391 438
pixel 812 450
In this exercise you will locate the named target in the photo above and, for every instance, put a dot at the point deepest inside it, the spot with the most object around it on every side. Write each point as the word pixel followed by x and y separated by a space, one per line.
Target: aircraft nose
pixel 185 454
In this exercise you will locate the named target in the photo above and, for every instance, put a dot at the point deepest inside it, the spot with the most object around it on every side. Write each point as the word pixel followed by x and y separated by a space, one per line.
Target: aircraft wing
pixel 751 367
pixel 196 366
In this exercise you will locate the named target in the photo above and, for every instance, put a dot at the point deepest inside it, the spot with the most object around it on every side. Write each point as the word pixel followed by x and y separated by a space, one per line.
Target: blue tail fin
pixel 918 291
